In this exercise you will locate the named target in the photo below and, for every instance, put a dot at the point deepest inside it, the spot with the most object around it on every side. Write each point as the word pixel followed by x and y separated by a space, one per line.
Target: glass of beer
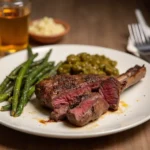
pixel 14 20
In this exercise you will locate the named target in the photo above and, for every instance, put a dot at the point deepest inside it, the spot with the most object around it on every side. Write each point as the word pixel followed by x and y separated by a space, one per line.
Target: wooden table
pixel 93 22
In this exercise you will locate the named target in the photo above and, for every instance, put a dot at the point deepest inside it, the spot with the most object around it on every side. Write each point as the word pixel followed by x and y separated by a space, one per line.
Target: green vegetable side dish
pixel 18 87
pixel 85 63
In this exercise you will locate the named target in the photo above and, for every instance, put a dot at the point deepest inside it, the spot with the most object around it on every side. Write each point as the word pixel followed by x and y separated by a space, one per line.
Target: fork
pixel 140 40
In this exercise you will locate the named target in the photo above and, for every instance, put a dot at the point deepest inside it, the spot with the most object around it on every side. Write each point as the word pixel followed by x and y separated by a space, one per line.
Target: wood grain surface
pixel 93 22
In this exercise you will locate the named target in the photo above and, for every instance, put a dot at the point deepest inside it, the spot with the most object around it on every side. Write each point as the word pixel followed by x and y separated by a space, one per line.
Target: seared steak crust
pixel 59 86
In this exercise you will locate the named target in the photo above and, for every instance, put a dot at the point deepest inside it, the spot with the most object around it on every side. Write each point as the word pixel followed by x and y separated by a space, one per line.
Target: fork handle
pixel 140 17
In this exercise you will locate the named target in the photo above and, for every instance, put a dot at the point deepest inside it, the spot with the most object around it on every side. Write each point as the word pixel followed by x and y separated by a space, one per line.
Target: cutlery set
pixel 140 36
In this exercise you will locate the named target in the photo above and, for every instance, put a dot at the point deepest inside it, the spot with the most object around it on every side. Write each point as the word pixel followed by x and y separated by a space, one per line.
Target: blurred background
pixel 94 22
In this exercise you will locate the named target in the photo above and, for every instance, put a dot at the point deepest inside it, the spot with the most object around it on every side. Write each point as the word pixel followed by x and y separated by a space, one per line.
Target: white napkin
pixel 131 48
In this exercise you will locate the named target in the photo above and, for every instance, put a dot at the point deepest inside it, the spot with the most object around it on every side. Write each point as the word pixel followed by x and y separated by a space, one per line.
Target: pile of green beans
pixel 19 86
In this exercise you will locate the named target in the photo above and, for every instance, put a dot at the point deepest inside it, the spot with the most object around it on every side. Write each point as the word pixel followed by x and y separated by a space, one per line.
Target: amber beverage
pixel 14 18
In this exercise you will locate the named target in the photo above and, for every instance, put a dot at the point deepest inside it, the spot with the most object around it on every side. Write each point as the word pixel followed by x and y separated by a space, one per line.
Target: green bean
pixel 15 71
pixel 33 68
pixel 10 89
pixel 6 80
pixel 47 56
pixel 35 74
pixel 12 77
pixel 30 53
pixel 6 95
pixel 10 84
pixel 39 62
pixel 24 97
pixel 27 86
pixel 6 107
pixel 18 83
pixel 31 91
pixel 10 99
pixel 51 63
pixel 52 72
pixel 36 63
pixel 45 59
pixel 43 72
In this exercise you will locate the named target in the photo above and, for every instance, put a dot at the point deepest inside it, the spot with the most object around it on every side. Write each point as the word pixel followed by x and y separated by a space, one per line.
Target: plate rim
pixel 79 135
pixel 84 45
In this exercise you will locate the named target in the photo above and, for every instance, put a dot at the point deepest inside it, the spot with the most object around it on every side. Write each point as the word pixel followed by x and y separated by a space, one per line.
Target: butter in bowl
pixel 48 30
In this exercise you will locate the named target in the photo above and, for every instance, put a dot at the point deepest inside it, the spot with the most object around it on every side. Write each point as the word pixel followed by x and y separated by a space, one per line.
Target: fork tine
pixel 143 38
pixel 136 34
pixel 131 33
pixel 143 34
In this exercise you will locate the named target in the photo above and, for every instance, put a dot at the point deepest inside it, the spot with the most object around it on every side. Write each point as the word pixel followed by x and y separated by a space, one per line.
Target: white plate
pixel 137 98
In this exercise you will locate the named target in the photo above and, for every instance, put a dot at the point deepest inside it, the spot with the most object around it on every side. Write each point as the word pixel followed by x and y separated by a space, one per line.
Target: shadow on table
pixel 17 140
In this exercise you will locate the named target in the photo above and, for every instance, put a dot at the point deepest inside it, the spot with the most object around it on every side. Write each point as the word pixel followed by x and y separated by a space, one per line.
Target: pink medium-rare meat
pixel 59 113
pixel 110 89
pixel 90 109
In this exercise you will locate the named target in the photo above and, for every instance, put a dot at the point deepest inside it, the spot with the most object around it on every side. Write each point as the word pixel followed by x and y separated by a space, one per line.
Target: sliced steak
pixel 83 98
pixel 60 92
pixel 49 89
pixel 90 109
pixel 65 87
pixel 60 112
pixel 110 89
